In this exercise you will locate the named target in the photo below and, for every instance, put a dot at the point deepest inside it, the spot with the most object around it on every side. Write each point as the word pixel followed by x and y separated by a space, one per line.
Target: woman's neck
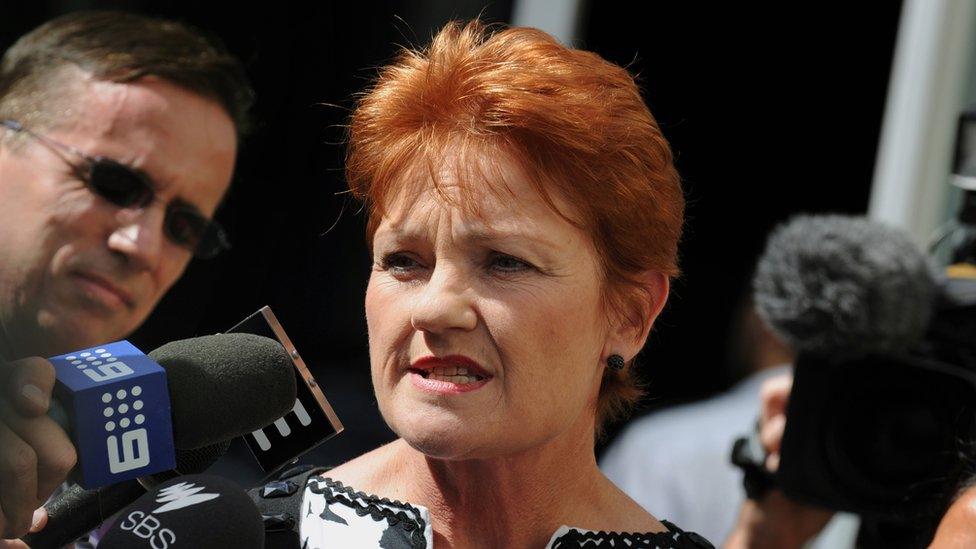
pixel 517 500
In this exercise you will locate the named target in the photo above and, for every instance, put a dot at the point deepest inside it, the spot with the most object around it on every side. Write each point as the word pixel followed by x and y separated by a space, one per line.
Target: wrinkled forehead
pixel 485 182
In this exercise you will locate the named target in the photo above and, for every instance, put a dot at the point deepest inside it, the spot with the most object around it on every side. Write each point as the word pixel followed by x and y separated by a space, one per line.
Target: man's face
pixel 76 270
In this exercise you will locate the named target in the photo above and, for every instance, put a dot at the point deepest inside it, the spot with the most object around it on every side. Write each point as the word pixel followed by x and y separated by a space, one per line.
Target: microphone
pixel 223 386
pixel 835 283
pixel 873 421
pixel 219 387
pixel 193 511
pixel 77 510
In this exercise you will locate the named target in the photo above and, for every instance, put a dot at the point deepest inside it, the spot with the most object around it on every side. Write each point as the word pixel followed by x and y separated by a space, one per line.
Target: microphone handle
pixel 77 511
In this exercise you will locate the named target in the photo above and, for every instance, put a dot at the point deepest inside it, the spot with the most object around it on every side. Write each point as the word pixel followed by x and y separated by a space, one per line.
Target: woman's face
pixel 486 332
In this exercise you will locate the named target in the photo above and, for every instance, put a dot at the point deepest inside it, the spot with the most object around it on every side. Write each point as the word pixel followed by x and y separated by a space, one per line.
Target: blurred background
pixel 770 110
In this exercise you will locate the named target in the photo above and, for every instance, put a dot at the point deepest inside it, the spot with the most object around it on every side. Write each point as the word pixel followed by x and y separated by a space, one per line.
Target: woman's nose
pixel 445 303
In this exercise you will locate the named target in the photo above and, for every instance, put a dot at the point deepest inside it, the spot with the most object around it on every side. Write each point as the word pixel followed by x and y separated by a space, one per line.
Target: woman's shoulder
pixel 373 472
pixel 613 519
pixel 335 514
pixel 334 511
pixel 568 537
pixel 342 512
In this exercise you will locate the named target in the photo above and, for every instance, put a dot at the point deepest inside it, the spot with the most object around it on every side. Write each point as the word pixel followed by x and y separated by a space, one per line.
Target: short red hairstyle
pixel 574 122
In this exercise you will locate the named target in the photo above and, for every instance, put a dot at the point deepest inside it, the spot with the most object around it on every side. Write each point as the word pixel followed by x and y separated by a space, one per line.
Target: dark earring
pixel 615 362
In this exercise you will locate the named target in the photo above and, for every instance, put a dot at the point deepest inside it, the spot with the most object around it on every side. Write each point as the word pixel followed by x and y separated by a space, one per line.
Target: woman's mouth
pixel 449 374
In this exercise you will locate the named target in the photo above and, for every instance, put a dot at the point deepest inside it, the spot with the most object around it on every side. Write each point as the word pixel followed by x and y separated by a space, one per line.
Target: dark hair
pixel 117 47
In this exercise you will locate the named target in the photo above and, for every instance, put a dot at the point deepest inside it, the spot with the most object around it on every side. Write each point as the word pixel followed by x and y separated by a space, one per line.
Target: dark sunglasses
pixel 127 188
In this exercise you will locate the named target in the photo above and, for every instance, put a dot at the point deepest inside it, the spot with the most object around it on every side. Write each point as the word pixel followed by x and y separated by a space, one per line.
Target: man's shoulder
pixel 696 417
pixel 688 429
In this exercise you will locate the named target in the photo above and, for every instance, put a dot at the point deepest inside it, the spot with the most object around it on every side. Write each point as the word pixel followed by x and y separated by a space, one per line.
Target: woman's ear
pixel 629 331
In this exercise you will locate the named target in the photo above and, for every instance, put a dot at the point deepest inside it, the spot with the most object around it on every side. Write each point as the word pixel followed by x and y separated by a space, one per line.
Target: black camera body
pixel 887 435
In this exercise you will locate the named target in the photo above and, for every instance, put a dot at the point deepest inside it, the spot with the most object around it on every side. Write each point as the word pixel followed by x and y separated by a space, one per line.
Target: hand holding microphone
pixel 35 453
pixel 219 386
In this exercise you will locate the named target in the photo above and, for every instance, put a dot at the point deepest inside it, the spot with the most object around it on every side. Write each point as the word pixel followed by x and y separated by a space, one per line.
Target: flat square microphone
pixel 309 423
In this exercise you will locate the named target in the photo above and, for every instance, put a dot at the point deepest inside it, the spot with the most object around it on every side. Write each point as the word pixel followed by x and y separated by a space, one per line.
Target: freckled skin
pixel 517 289
pixel 55 227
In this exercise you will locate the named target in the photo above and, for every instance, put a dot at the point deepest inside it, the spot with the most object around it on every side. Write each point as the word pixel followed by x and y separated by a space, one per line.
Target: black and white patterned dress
pixel 329 515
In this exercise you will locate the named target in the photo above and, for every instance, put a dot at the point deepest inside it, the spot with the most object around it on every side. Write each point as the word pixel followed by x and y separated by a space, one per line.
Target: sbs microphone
pixel 193 511
pixel 77 510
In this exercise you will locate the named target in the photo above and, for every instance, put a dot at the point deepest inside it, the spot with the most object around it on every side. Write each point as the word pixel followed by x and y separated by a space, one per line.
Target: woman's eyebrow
pixel 399 234
pixel 496 235
pixel 480 235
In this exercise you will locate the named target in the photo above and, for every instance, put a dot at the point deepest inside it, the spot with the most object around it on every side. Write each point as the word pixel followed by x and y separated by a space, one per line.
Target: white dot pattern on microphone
pixel 100 356
pixel 117 409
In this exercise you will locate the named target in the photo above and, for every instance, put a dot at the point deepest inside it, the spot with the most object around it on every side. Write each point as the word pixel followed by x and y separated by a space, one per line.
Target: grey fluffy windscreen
pixel 223 386
pixel 834 283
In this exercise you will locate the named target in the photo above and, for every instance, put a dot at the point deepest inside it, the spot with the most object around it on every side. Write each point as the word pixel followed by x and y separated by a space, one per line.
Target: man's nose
pixel 139 237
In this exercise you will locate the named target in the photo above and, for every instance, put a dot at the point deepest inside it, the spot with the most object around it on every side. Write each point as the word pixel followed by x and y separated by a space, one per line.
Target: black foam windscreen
pixel 222 386
pixel 193 511
pixel 197 460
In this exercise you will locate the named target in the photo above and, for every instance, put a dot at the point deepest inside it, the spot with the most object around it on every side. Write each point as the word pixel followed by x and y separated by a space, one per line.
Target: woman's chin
pixel 459 443
pixel 439 439
pixel 439 448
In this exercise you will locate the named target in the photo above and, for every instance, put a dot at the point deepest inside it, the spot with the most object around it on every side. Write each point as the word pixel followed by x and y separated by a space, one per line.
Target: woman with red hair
pixel 524 218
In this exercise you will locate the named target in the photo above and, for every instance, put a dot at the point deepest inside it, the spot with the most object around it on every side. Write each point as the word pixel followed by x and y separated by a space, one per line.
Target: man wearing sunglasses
pixel 118 136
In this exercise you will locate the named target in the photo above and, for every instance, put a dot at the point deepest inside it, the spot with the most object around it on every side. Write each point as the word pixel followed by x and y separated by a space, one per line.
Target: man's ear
pixel 629 331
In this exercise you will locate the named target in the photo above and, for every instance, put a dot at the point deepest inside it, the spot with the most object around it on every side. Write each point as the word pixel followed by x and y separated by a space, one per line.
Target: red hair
pixel 575 123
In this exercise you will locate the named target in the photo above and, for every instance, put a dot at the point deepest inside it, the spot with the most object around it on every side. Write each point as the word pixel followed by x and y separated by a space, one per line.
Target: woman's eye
pixel 398 263
pixel 508 264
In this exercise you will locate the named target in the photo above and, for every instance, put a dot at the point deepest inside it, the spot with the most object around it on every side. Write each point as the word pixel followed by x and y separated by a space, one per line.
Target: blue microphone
pixel 119 415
